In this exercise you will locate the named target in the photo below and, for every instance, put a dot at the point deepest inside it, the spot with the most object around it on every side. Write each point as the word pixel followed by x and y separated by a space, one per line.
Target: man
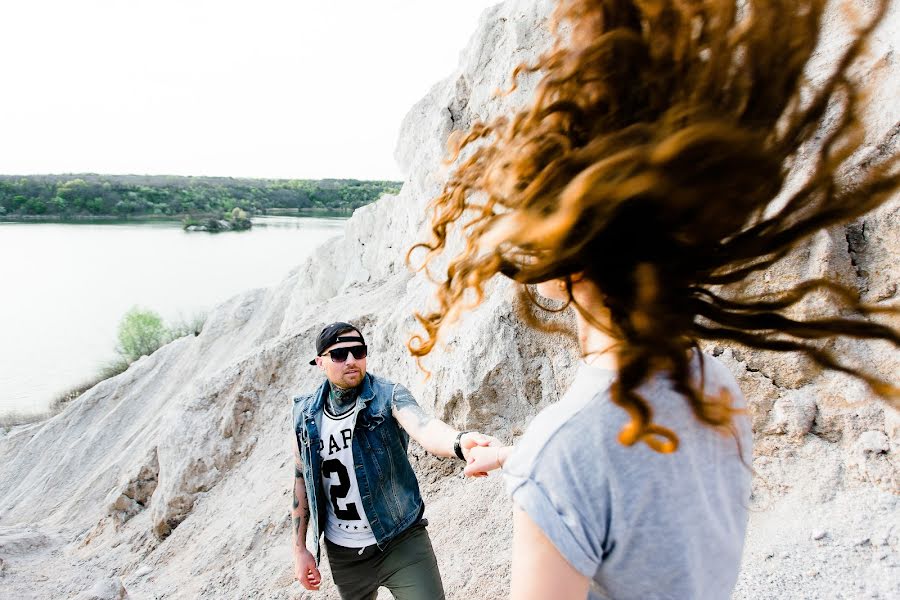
pixel 353 480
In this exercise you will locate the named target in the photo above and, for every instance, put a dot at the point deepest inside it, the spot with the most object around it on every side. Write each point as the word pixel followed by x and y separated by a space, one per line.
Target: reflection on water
pixel 64 287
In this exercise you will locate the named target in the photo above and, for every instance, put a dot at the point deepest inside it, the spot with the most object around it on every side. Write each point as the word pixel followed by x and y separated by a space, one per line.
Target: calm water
pixel 64 287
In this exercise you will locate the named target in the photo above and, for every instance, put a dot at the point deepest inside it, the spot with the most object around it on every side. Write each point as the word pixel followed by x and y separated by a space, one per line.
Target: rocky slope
pixel 172 479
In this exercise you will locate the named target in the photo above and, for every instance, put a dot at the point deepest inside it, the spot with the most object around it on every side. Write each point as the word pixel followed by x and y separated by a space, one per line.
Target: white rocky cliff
pixel 172 479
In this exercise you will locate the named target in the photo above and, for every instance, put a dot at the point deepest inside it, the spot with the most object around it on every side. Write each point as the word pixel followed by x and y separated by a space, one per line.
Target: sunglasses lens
pixel 340 354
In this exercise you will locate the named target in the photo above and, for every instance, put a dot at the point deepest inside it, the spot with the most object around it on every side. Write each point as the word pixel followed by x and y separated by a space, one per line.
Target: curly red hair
pixel 653 161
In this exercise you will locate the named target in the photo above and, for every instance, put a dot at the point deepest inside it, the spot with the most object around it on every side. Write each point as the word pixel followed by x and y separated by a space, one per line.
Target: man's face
pixel 347 374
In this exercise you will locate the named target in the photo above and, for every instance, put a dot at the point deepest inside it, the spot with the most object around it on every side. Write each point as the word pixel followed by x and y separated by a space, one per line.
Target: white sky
pixel 262 88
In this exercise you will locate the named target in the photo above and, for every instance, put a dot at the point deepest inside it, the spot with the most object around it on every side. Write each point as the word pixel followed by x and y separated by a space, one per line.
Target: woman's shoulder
pixel 585 421
pixel 715 375
pixel 576 421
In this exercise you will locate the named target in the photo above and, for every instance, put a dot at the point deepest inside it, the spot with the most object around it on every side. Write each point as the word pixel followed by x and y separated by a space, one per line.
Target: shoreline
pixel 95 219
pixel 231 265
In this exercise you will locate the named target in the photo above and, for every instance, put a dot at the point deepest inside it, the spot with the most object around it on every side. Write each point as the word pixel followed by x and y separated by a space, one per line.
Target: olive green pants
pixel 407 567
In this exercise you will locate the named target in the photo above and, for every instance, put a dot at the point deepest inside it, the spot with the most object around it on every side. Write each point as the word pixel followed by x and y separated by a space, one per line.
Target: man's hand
pixel 472 439
pixel 306 571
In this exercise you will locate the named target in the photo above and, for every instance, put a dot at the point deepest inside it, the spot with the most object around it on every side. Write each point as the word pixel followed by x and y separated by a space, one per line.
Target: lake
pixel 65 286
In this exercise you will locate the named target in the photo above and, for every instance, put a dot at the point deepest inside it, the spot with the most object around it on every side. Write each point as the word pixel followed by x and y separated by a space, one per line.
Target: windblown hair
pixel 654 161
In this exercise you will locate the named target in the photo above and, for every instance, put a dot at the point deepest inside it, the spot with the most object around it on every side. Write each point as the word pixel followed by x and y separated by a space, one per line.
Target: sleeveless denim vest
pixel 387 483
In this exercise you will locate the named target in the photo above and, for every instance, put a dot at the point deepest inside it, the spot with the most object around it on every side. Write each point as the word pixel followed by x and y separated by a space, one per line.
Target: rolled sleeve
pixel 561 526
pixel 556 475
pixel 555 480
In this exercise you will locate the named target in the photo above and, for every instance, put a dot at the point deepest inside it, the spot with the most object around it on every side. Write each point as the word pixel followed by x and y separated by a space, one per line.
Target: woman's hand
pixel 482 459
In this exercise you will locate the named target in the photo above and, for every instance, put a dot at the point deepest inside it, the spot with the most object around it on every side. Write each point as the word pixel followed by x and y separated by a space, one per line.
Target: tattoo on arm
pixel 299 510
pixel 416 411
pixel 433 434
pixel 299 504
pixel 405 402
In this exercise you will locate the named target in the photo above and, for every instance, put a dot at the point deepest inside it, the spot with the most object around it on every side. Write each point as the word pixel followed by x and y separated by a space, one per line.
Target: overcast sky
pixel 262 88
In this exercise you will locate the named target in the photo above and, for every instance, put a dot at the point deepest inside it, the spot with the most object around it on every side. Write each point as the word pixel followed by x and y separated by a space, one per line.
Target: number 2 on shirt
pixel 339 491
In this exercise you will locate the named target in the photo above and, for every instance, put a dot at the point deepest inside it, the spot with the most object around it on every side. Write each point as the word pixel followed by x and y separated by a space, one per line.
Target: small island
pixel 236 221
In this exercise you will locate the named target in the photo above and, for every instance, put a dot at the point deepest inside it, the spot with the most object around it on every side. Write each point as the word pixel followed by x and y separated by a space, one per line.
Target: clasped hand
pixel 483 459
pixel 482 452
pixel 475 444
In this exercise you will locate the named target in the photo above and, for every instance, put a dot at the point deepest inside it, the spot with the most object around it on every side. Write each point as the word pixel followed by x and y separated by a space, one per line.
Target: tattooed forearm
pixel 299 510
pixel 299 529
pixel 299 503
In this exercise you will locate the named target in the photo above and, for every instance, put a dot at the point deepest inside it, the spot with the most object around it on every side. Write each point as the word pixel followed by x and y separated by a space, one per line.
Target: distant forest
pixel 87 195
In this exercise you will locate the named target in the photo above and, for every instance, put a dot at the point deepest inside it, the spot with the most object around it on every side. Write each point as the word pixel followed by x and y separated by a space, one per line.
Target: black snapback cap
pixel 332 335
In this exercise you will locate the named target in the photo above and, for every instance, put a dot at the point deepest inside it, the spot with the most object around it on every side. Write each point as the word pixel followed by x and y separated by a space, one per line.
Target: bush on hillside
pixel 141 332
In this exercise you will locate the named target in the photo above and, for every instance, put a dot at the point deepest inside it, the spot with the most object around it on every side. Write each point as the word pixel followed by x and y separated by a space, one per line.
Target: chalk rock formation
pixel 173 477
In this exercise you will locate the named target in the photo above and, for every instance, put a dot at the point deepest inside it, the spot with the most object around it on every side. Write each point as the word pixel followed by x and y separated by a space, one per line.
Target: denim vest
pixel 387 483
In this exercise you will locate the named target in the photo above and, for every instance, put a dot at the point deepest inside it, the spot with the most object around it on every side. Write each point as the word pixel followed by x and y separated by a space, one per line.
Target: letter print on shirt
pixel 347 524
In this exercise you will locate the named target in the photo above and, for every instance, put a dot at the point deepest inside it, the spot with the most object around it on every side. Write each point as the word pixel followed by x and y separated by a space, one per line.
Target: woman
pixel 640 522
pixel 673 153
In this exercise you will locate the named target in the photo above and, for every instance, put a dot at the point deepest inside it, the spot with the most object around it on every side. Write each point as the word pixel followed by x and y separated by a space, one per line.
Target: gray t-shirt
pixel 638 523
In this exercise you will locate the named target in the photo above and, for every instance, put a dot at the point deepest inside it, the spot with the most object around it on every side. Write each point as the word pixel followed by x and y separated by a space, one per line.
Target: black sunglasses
pixel 339 355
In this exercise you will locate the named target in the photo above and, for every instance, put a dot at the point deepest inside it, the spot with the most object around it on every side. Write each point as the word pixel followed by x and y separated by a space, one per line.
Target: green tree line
pixel 133 195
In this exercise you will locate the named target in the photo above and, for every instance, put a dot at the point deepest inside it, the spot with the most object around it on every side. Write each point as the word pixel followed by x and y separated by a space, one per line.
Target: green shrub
pixel 141 332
